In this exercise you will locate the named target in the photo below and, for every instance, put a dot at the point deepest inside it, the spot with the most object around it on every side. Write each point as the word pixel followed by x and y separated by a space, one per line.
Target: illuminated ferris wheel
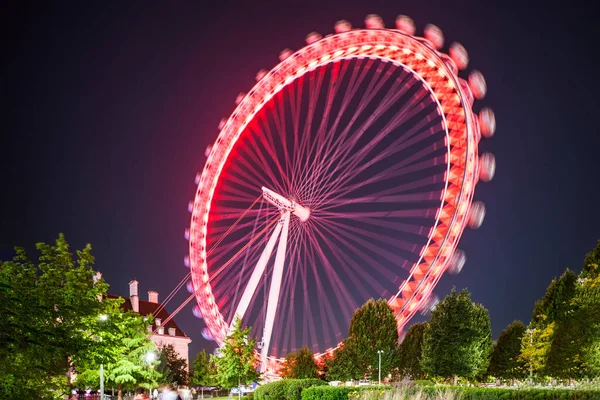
pixel 347 172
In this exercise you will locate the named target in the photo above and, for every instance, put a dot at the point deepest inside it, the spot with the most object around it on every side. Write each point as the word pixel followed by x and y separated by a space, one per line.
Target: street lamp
pixel 379 353
pixel 102 318
pixel 150 357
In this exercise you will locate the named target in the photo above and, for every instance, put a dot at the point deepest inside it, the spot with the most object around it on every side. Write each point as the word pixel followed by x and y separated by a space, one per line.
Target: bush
pixel 287 389
pixel 271 391
pixel 327 393
pixel 473 393
pixel 295 387
pixel 424 383
pixel 464 393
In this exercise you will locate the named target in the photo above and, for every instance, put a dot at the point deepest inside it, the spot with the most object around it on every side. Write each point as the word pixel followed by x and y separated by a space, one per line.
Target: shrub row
pixel 341 392
pixel 287 389
pixel 473 393
pixel 439 392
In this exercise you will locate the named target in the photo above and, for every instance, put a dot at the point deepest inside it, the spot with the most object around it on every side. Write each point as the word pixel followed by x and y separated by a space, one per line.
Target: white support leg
pixel 257 273
pixel 274 289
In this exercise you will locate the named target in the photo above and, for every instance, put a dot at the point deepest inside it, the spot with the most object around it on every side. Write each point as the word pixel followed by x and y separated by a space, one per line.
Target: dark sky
pixel 108 108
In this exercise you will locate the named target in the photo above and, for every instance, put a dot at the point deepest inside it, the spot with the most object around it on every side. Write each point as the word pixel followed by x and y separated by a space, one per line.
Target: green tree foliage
pixel 125 346
pixel 373 328
pixel 411 350
pixel 535 345
pixel 591 262
pixel 557 301
pixel 300 365
pixel 171 366
pixel 236 362
pixel 574 352
pixel 203 372
pixel 46 309
pixel 505 362
pixel 457 341
pixel 342 366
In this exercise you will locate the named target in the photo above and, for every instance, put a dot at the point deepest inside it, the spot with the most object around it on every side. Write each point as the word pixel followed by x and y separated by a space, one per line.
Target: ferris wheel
pixel 346 173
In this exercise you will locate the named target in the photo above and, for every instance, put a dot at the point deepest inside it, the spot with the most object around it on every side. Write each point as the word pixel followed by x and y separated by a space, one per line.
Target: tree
pixel 172 367
pixel 124 351
pixel 300 365
pixel 505 362
pixel 46 308
pixel 411 350
pixel 556 303
pixel 591 262
pixel 457 341
pixel 236 362
pixel 372 329
pixel 574 349
pixel 203 372
pixel 535 345
pixel 341 366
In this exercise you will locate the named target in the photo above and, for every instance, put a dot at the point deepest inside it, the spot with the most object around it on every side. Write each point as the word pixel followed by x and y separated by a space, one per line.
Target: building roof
pixel 147 308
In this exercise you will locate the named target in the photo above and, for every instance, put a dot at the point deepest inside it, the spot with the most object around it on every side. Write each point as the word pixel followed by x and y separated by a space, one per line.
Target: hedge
pixel 434 392
pixel 475 393
pixel 339 392
pixel 287 389
pixel 295 387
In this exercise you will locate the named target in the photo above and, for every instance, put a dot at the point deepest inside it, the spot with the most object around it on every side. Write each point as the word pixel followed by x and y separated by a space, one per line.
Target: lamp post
pixel 102 318
pixel 379 352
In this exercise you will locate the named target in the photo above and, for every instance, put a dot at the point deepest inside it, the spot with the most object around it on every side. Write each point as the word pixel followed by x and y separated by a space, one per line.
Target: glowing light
pixel 150 357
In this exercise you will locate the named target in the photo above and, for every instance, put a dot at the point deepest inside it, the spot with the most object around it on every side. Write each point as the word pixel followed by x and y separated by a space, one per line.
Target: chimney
pixel 133 296
pixel 97 279
pixel 153 297
pixel 171 331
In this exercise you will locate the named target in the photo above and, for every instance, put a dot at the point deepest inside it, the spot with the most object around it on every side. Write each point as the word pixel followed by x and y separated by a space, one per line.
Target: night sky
pixel 108 109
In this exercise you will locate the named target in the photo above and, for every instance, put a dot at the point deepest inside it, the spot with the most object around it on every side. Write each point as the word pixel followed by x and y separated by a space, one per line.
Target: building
pixel 164 333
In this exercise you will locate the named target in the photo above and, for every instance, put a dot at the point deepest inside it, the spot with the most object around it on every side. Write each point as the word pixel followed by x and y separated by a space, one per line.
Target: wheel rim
pixel 451 97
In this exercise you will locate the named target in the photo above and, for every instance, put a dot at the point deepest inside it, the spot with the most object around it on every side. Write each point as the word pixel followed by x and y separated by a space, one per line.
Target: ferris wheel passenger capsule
pixel 457 262
pixel 207 152
pixel 405 24
pixel 435 35
pixel 342 26
pixel 207 335
pixel 487 167
pixel 477 214
pixel 429 304
pixel 197 179
pixel 477 84
pixel 239 98
pixel 459 55
pixel 190 207
pixel 374 21
pixel 186 234
pixel 285 54
pixel 261 74
pixel 313 37
pixel 222 123
pixel 190 288
pixel 487 122
pixel 196 311
pixel 186 261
